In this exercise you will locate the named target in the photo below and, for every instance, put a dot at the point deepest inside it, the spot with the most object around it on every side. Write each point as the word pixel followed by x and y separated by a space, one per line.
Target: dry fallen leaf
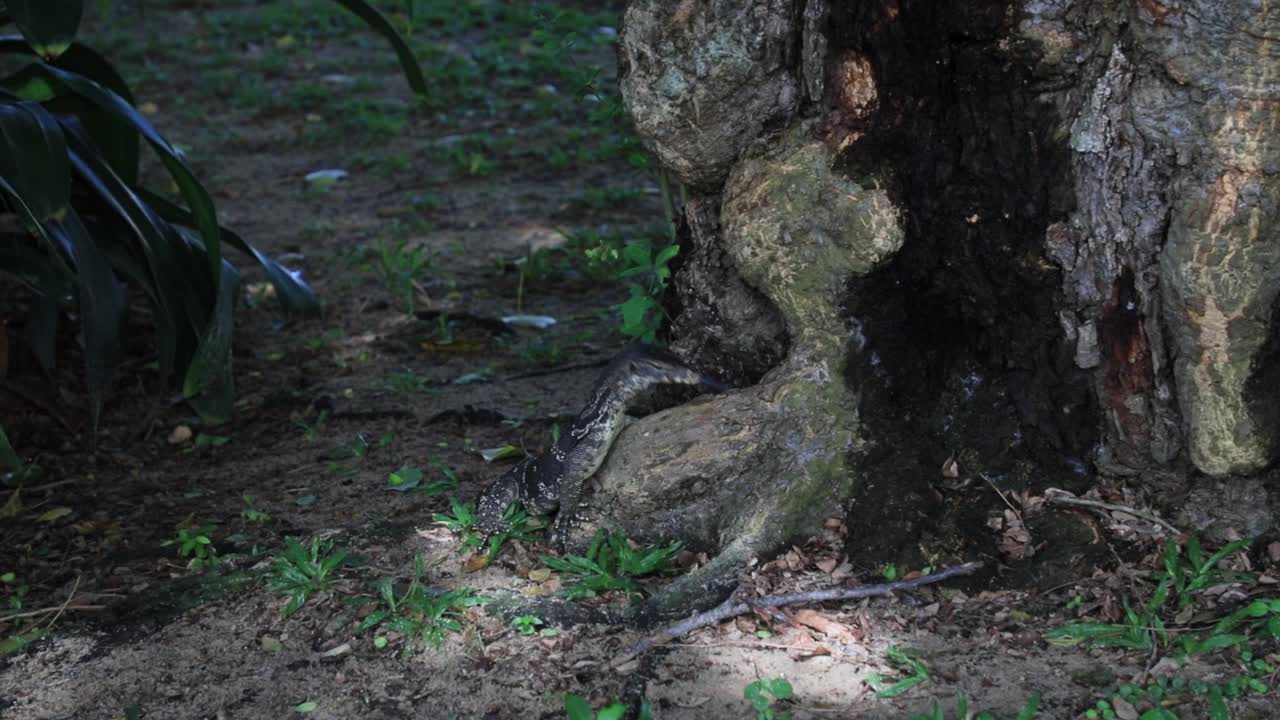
pixel 13 506
pixel 801 645
pixel 831 628
pixel 54 513
pixel 180 434
pixel 951 468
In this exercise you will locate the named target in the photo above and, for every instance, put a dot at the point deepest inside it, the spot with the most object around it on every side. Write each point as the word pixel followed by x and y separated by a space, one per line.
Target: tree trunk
pixel 1036 236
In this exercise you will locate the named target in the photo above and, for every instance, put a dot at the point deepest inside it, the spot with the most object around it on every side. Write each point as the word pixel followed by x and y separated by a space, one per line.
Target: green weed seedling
pixel 408 382
pixel 131 712
pixel 1184 576
pixel 462 521
pixel 642 313
pixel 358 449
pixel 1180 577
pixel 13 469
pixel 1156 695
pixel 401 266
pixel 962 712
pixel 411 479
pixel 576 707
pixel 251 513
pixel 540 350
pixel 300 571
pixel 311 429
pixel 612 564
pixel 530 625
pixel 916 672
pixel 16 591
pixel 195 545
pixel 763 694
pixel 206 440
pixel 421 614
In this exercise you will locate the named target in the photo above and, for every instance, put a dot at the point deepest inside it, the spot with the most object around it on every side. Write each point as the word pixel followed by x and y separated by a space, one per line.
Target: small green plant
pixel 762 694
pixel 1187 575
pixel 13 469
pixel 16 590
pixel 251 512
pixel 323 340
pixel 311 429
pixel 411 478
pixel 407 382
pixel 530 625
pixel 65 107
pixel 421 614
pixel 1180 577
pixel 195 544
pixel 445 329
pixel 962 711
pixel 462 520
pixel 576 707
pixel 611 563
pixel 358 449
pixel 642 313
pixel 131 712
pixel 401 267
pixel 300 571
pixel 916 673
pixel 1157 696
pixel 540 350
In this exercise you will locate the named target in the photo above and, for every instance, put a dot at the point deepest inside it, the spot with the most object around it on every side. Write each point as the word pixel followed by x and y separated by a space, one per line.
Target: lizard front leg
pixel 570 491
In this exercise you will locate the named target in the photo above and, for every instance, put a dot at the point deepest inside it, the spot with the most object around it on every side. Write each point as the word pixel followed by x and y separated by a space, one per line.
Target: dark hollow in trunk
pixel 964 355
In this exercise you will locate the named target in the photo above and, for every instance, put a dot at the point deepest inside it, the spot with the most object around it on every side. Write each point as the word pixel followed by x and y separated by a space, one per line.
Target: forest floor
pixel 505 196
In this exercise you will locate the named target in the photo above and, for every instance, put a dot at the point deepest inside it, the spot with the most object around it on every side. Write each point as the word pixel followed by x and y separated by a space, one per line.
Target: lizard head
pixel 645 365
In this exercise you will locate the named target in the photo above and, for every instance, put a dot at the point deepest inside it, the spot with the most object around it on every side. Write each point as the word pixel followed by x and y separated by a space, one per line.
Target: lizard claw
pixel 558 537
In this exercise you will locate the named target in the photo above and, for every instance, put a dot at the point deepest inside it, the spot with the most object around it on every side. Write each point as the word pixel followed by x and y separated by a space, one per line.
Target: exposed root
pixel 1054 496
pixel 733 607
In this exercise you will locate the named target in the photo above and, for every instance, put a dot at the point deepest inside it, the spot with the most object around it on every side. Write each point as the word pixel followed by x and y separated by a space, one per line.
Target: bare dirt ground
pixel 262 94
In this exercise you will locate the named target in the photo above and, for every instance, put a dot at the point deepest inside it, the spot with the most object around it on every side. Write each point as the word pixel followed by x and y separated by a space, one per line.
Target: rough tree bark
pixel 1035 234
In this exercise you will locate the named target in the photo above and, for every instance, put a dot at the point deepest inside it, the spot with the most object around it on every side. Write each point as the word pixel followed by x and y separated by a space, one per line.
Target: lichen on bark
pixel 703 79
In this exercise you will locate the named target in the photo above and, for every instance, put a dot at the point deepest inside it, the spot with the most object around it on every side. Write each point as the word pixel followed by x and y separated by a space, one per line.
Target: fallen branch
pixel 49 611
pixel 1062 497
pixel 734 607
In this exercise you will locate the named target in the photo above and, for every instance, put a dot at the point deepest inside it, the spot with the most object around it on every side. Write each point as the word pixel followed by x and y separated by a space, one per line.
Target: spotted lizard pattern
pixel 555 479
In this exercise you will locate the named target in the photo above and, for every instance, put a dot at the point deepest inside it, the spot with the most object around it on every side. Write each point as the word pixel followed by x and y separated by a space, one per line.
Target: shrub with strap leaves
pixel 77 227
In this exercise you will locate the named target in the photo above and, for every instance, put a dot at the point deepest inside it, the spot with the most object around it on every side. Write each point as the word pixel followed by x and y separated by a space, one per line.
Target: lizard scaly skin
pixel 555 479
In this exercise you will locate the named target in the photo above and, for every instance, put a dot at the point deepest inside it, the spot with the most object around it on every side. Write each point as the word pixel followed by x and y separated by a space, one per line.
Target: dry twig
pixel 734 607
pixel 1062 497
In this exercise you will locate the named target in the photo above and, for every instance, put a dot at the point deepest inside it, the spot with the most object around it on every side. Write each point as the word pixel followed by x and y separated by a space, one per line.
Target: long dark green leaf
pixel 48 25
pixel 379 23
pixel 181 310
pixel 116 139
pixel 209 386
pixel 9 458
pixel 50 279
pixel 206 221
pixel 101 303
pixel 296 297
pixel 41 332
pixel 33 158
